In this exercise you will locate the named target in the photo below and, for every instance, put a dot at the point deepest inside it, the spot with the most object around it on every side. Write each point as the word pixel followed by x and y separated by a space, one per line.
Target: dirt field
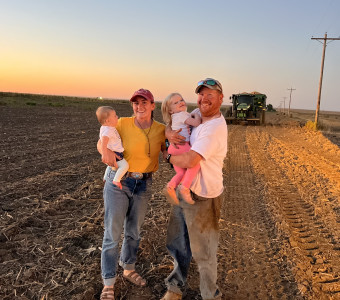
pixel 280 224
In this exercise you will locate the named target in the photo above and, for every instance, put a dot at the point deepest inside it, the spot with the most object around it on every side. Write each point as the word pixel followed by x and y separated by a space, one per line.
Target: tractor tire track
pixel 314 247
pixel 314 167
pixel 256 267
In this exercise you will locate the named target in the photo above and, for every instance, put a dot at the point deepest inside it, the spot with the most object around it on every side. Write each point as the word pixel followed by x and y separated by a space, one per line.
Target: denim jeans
pixel 124 210
pixel 193 232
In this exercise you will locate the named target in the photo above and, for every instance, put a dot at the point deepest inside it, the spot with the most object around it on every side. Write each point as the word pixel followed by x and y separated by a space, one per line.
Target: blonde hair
pixel 102 113
pixel 166 107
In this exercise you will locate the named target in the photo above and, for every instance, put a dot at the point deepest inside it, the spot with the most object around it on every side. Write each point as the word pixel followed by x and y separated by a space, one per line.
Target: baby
pixel 174 111
pixel 111 141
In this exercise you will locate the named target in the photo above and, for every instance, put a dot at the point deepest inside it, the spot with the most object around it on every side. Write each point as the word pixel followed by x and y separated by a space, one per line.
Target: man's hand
pixel 174 137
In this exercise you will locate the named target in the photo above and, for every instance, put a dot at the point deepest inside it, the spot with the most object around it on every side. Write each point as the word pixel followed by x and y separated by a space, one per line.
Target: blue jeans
pixel 124 210
pixel 193 232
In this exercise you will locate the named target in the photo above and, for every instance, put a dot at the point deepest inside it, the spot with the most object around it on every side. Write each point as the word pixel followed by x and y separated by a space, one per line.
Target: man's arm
pixel 186 160
pixel 174 137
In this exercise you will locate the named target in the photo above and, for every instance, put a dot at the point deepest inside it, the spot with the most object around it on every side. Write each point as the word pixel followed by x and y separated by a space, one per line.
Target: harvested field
pixel 280 221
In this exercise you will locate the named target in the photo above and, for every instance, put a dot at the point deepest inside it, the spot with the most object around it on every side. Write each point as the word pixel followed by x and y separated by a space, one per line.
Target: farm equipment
pixel 247 108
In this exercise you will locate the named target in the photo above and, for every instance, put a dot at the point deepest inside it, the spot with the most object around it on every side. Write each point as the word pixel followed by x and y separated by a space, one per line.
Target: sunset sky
pixel 112 48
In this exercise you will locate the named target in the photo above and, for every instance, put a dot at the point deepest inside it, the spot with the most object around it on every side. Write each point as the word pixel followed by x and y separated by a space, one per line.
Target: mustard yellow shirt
pixel 136 146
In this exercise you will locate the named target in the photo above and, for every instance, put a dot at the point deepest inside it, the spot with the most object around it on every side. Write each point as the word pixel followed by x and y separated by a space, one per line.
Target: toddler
pixel 174 111
pixel 111 141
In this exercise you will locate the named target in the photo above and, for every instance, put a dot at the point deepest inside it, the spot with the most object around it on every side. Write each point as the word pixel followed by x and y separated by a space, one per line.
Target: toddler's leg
pixel 123 167
pixel 189 175
pixel 170 189
pixel 106 172
pixel 175 181
pixel 184 188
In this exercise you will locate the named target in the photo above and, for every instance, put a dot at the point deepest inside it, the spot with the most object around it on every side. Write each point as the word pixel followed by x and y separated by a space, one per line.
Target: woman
pixel 143 139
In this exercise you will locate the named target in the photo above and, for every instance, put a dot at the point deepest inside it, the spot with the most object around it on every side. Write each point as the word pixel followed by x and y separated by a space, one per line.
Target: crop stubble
pixel 279 224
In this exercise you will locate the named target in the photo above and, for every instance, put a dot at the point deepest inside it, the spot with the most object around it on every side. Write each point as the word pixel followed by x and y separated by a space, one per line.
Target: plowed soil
pixel 280 221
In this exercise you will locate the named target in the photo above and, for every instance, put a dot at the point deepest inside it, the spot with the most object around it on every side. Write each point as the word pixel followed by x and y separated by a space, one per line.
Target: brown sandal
pixel 135 278
pixel 107 294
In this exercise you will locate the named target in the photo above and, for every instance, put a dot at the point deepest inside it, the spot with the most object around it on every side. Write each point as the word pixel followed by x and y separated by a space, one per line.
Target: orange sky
pixel 62 48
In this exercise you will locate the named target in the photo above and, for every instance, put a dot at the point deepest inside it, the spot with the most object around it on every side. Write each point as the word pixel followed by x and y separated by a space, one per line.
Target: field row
pixel 302 189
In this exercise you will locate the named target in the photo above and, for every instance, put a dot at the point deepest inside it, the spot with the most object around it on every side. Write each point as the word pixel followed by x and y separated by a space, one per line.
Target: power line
pixel 327 9
pixel 325 39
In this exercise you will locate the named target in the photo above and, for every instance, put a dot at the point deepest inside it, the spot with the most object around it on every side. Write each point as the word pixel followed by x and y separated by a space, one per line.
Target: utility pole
pixel 290 100
pixel 325 39
pixel 284 104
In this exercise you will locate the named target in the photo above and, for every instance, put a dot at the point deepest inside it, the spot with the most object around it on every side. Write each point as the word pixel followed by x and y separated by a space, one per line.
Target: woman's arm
pixel 108 156
pixel 164 151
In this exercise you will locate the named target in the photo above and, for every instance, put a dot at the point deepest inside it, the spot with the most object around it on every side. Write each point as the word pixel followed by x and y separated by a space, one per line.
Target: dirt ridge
pixel 312 237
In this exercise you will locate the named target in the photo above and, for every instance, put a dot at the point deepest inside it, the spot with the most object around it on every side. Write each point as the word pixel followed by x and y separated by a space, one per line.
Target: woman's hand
pixel 108 156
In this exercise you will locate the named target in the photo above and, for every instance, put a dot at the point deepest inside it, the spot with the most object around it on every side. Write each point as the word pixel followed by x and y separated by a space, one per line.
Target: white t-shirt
pixel 115 142
pixel 210 140
pixel 177 122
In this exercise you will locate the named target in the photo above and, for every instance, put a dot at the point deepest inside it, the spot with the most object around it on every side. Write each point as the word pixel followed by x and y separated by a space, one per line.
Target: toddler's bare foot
pixel 170 194
pixel 185 193
pixel 117 184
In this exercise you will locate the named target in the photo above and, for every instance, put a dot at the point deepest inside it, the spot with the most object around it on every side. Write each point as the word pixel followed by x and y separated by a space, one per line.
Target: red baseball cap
pixel 143 93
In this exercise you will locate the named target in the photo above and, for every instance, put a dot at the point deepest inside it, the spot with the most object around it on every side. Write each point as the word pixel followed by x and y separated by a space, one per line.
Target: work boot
pixel 169 295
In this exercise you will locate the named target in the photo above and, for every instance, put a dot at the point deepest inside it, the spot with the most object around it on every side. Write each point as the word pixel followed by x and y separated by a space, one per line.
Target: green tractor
pixel 247 108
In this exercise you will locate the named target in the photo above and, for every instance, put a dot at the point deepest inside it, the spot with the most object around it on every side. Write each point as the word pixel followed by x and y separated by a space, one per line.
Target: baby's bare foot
pixel 117 184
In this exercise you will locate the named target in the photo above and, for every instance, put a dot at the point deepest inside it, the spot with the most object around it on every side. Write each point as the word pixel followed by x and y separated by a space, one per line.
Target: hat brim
pixel 212 87
pixel 143 96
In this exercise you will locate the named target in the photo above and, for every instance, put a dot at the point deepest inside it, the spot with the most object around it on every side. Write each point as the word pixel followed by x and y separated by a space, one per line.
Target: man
pixel 193 229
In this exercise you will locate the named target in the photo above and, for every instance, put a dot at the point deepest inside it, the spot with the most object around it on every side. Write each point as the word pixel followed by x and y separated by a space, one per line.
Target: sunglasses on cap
pixel 211 82
pixel 208 82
